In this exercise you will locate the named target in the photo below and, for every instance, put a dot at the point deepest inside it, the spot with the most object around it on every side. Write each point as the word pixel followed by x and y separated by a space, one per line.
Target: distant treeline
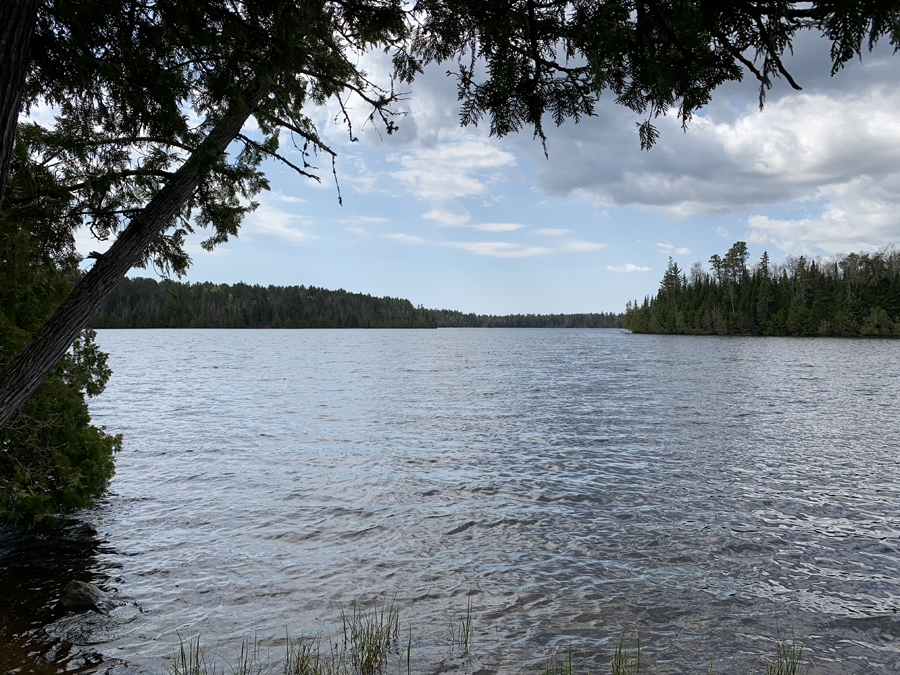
pixel 849 296
pixel 447 318
pixel 147 303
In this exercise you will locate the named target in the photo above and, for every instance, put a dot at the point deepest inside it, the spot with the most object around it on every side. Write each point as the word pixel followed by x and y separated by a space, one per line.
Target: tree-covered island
pixel 853 295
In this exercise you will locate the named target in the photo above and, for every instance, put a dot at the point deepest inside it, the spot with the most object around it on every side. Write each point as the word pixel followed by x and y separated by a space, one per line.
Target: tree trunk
pixel 49 344
pixel 17 19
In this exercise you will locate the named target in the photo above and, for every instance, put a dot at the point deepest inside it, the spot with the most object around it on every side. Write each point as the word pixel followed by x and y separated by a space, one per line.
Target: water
pixel 703 493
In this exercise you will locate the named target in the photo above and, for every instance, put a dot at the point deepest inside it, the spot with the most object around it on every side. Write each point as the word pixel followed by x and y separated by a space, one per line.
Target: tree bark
pixel 17 19
pixel 49 344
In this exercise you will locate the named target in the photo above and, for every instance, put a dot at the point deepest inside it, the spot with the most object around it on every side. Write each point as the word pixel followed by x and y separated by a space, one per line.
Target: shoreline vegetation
pixel 854 295
pixel 370 642
pixel 147 303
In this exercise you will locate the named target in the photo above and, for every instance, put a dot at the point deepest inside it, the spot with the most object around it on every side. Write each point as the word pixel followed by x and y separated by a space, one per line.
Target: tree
pixel 51 458
pixel 123 148
pixel 734 266
pixel 803 298
pixel 124 72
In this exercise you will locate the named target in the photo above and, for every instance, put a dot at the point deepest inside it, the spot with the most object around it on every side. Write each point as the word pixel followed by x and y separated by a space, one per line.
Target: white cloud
pixel 861 214
pixel 725 163
pixel 669 249
pixel 500 249
pixel 406 238
pixel 824 147
pixel 450 170
pixel 449 213
pixel 722 232
pixel 627 267
pixel 362 220
pixel 551 231
pixel 497 227
pixel 290 199
pixel 270 224
pixel 356 230
pixel 362 179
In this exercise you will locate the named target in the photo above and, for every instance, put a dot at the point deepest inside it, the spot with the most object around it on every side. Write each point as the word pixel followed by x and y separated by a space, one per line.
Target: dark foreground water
pixel 703 492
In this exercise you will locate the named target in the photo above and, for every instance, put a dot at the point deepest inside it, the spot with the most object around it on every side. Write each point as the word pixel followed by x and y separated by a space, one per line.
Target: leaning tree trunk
pixel 49 344
pixel 17 19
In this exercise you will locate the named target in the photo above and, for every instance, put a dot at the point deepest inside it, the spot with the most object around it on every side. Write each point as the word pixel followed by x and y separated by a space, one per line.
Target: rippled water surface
pixel 703 492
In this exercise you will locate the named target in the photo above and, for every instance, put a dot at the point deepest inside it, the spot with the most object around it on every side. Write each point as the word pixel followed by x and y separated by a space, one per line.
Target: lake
pixel 702 493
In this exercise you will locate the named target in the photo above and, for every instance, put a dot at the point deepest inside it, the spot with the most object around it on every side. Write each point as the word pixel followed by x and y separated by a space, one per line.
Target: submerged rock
pixel 79 596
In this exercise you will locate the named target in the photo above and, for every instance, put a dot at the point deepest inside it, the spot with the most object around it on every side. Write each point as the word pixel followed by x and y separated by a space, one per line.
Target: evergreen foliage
pixel 854 295
pixel 146 303
pixel 446 318
pixel 52 459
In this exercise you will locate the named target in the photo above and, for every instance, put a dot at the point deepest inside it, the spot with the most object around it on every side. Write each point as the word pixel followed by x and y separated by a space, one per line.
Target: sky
pixel 449 217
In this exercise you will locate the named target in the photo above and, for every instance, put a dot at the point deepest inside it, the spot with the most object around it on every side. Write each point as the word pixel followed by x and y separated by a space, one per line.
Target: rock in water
pixel 81 597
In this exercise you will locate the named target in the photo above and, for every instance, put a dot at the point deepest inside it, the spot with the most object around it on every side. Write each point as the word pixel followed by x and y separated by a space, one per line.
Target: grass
pixel 626 659
pixel 191 661
pixel 788 658
pixel 559 663
pixel 461 632
pixel 370 636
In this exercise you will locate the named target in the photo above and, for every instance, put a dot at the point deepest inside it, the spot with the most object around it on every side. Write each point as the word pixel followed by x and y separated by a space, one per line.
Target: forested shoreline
pixel 853 295
pixel 147 303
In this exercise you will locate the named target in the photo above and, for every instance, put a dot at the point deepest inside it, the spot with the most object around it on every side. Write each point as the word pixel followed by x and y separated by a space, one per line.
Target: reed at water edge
pixel 370 643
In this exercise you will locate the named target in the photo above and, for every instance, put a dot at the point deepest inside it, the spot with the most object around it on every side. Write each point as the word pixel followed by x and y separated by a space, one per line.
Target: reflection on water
pixel 35 635
pixel 701 491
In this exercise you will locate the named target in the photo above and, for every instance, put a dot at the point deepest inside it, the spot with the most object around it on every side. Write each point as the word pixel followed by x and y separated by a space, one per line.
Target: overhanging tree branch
pixel 278 156
pixel 49 344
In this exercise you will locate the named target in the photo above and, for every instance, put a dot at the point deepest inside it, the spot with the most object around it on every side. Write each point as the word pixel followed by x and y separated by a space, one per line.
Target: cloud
pixel 500 249
pixel 550 231
pixel 497 227
pixel 362 220
pixel 831 150
pixel 669 249
pixel 290 199
pixel 627 267
pixel 449 213
pixel 270 224
pixel 406 238
pixel 859 215
pixel 451 169
pixel 729 160
pixel 826 149
pixel 448 171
